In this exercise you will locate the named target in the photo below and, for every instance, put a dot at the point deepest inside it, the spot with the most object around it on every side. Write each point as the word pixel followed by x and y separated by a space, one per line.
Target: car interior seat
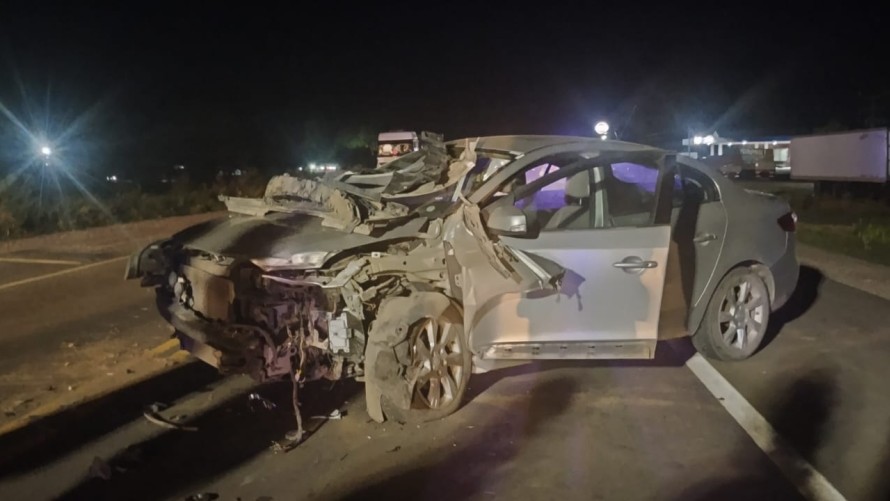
pixel 576 213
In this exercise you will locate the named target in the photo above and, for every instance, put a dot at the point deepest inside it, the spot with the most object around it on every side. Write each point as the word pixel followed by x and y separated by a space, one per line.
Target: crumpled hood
pixel 279 236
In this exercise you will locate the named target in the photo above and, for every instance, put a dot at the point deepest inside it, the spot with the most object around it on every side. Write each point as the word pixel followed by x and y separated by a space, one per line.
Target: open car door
pixel 583 253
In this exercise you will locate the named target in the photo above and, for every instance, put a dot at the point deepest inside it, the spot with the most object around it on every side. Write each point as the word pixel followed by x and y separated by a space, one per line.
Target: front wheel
pixel 423 362
pixel 736 320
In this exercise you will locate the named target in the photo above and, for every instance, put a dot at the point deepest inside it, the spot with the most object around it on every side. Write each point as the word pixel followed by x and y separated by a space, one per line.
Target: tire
pixel 432 353
pixel 728 332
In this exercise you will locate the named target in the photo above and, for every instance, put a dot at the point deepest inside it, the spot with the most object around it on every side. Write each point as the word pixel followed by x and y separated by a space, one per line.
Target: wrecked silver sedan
pixel 472 255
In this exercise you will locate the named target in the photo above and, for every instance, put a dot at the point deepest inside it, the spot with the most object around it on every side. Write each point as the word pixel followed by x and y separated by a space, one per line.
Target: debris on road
pixel 100 469
pixel 255 399
pixel 203 496
pixel 291 440
pixel 151 414
pixel 395 449
pixel 334 415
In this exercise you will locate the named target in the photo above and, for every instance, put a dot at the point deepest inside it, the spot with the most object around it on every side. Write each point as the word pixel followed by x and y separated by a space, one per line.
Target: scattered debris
pixel 343 456
pixel 9 413
pixel 131 371
pixel 203 496
pixel 334 415
pixel 151 414
pixel 72 345
pixel 291 440
pixel 255 399
pixel 100 469
pixel 395 449
pixel 67 364
pixel 50 388
pixel 71 387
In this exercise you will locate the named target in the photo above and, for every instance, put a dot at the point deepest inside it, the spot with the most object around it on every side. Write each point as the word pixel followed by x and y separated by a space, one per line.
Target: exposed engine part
pixel 338 333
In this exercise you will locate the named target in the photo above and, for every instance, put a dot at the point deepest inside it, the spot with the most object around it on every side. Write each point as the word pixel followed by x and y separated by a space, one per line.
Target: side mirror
pixel 507 220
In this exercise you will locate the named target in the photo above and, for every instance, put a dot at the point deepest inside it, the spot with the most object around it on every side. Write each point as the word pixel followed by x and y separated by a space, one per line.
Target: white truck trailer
pixel 850 162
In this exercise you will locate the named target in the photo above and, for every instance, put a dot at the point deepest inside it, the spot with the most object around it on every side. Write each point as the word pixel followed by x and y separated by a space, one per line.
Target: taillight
pixel 788 222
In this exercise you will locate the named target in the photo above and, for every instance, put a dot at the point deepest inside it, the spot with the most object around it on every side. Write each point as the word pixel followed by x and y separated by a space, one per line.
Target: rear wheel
pixel 736 319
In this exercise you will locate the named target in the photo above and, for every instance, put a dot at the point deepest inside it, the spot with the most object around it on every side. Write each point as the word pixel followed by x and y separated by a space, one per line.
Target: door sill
pixel 580 350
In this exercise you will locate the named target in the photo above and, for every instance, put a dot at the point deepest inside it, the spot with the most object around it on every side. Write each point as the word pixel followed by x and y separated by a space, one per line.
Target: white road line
pixel 25 260
pixel 801 473
pixel 59 273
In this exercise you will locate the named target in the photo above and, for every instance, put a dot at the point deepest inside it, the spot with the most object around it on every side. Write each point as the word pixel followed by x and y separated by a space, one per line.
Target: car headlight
pixel 299 261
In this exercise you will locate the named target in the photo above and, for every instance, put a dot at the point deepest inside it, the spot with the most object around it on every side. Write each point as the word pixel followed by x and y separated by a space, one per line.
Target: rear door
pixel 607 247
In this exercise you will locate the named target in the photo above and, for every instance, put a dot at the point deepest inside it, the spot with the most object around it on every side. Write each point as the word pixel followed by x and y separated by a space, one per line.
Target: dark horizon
pixel 140 89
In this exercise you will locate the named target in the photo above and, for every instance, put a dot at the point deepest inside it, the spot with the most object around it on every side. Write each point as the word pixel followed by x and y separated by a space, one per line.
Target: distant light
pixel 601 128
pixel 603 137
pixel 698 140
pixel 112 178
pixel 331 167
pixel 312 167
pixel 300 168
pixel 745 141
pixel 46 151
pixel 709 139
pixel 179 167
pixel 775 143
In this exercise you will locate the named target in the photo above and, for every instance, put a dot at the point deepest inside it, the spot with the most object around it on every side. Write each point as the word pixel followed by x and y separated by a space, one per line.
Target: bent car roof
pixel 522 144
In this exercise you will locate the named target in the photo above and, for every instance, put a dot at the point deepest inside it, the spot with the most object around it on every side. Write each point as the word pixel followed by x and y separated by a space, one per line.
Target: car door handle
pixel 635 263
pixel 703 238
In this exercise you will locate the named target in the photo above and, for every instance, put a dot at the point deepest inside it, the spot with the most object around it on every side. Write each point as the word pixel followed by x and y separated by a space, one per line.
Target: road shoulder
pixel 852 272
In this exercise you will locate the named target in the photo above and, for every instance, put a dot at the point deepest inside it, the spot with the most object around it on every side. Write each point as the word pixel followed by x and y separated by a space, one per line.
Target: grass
pixel 853 227
pixel 26 212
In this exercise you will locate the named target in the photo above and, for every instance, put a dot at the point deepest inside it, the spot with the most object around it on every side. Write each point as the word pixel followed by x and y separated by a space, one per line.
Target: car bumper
pixel 785 272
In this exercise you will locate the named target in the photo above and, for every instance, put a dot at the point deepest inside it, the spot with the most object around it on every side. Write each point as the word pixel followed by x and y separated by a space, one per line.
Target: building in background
pixel 746 158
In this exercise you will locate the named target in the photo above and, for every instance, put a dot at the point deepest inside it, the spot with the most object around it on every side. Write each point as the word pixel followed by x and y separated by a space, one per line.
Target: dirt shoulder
pixel 118 240
pixel 869 277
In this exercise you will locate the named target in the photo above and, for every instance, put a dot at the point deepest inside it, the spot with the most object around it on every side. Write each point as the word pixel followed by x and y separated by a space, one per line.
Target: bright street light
pixel 698 140
pixel 601 128
pixel 46 151
pixel 709 139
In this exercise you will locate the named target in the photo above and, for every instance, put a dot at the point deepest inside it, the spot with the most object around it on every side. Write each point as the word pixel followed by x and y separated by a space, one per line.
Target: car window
pixel 563 203
pixel 630 193
pixel 697 186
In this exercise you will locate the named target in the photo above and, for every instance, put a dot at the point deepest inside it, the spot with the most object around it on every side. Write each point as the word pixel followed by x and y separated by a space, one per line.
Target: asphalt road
pixel 603 430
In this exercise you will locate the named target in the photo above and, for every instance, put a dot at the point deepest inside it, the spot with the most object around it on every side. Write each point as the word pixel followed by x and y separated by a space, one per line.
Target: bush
pixel 26 211
pixel 872 234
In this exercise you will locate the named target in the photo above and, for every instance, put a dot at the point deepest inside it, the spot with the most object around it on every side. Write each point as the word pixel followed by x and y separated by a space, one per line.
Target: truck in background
pixel 851 162
pixel 391 145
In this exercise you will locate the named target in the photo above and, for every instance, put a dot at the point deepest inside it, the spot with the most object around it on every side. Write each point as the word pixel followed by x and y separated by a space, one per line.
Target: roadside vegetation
pixel 27 208
pixel 855 227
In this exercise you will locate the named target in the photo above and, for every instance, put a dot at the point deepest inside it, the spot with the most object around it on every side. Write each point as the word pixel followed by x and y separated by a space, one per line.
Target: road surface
pixel 661 429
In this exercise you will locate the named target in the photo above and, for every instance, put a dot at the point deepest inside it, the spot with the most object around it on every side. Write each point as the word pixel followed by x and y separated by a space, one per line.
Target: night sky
pixel 139 88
